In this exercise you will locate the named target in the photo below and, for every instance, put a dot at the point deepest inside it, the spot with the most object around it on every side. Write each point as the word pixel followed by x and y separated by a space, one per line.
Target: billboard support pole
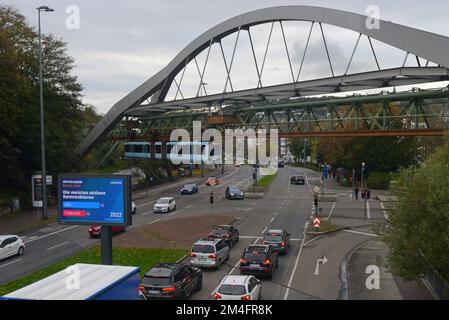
pixel 106 245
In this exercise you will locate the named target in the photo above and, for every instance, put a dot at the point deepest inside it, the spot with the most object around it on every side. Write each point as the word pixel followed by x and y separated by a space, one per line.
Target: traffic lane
pixel 324 281
pixel 37 255
pixel 213 277
pixel 239 177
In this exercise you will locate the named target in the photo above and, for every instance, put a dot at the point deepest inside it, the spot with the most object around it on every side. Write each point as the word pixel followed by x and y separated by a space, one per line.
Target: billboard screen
pixel 103 200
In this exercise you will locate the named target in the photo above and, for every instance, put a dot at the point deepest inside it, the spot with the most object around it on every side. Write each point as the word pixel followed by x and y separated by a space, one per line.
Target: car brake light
pixel 169 289
pixel 217 296
pixel 227 235
pixel 212 256
pixel 247 297
pixel 193 255
pixel 266 261
pixel 242 261
pixel 141 288
pixel 283 244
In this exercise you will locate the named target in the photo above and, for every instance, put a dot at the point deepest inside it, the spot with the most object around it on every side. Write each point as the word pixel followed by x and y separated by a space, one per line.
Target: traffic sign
pixel 316 222
pixel 316 189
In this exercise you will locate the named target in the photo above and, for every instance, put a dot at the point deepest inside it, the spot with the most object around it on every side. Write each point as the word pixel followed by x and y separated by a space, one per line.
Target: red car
pixel 95 231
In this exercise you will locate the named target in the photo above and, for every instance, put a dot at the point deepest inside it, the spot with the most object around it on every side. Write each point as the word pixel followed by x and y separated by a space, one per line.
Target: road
pixel 54 242
pixel 283 206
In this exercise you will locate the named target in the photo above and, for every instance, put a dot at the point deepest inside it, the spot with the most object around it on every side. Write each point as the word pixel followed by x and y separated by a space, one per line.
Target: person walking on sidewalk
pixel 356 193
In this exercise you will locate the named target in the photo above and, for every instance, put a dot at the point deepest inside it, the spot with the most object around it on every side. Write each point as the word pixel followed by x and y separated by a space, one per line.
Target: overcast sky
pixel 120 44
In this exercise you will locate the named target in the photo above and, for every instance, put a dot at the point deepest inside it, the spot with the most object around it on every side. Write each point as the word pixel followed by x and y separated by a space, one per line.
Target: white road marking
pixel 272 219
pixel 58 245
pixel 332 210
pixel 296 263
pixel 50 234
pixel 363 233
pixel 144 204
pixel 7 264
pixel 263 231
pixel 384 210
pixel 154 221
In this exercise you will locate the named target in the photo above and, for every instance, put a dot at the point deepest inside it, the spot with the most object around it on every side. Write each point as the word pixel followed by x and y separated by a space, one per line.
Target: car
pixel 233 193
pixel 95 231
pixel 170 281
pixel 212 181
pixel 237 164
pixel 164 204
pixel 259 260
pixel 209 253
pixel 235 287
pixel 133 208
pixel 11 245
pixel 189 188
pixel 228 233
pixel 280 164
pixel 298 180
pixel 278 239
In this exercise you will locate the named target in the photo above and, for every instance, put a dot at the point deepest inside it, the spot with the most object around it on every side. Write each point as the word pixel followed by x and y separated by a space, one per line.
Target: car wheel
pixel 174 207
pixel 230 244
pixel 260 293
pixel 199 285
pixel 21 251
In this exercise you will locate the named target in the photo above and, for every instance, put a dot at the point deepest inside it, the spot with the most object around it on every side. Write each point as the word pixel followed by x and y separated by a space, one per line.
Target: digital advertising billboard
pixel 103 200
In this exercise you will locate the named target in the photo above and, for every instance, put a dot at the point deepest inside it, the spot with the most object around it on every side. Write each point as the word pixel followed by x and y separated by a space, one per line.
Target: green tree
pixel 418 236
pixel 19 101
pixel 296 147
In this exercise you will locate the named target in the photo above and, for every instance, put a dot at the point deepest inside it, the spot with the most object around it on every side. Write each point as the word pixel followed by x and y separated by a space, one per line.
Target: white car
pixel 234 287
pixel 164 205
pixel 11 245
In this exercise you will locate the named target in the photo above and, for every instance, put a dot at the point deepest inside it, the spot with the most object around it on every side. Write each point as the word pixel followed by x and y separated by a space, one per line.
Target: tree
pixel 296 147
pixel 150 168
pixel 19 101
pixel 418 236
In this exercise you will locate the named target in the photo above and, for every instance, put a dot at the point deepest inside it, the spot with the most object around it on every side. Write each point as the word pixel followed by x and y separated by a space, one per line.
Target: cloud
pixel 122 44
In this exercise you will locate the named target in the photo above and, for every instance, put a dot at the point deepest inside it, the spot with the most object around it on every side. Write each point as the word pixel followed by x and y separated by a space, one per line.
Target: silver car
pixel 209 253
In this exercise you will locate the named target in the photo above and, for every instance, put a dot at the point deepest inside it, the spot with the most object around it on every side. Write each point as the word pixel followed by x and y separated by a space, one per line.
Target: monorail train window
pixel 128 148
pixel 158 148
pixel 138 148
pixel 144 148
pixel 169 147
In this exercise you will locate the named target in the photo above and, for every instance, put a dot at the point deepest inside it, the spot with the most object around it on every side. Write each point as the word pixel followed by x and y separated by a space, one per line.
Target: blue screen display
pixel 92 200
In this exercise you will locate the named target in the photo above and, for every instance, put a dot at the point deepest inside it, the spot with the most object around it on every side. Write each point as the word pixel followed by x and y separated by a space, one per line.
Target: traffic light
pixel 315 201
pixel 368 194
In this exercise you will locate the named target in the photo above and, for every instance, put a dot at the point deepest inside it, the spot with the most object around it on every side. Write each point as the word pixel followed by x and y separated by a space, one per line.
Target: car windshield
pixel 162 201
pixel 156 281
pixel 272 238
pixel 203 248
pixel 188 186
pixel 218 231
pixel 254 256
pixel 232 289
pixel 234 190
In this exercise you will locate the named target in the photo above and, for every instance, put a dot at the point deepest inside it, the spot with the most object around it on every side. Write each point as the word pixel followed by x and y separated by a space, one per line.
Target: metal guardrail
pixel 439 287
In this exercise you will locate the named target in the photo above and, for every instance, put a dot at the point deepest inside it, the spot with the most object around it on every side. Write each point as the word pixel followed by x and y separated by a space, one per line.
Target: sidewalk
pixel 25 220
pixel 374 253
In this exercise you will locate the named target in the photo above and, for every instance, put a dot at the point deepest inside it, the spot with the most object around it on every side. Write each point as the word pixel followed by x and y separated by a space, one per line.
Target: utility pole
pixel 41 98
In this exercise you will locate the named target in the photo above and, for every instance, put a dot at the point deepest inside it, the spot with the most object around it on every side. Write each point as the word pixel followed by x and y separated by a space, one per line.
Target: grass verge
pixel 266 181
pixel 325 226
pixel 144 258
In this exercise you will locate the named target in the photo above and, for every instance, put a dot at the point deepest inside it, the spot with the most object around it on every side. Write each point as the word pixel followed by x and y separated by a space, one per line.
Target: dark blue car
pixel 189 188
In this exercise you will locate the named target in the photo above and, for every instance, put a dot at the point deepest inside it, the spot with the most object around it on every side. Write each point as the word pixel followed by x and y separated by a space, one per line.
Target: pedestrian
pixel 356 193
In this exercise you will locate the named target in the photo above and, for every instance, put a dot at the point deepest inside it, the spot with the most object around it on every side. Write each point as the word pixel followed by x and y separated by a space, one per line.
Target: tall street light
pixel 41 93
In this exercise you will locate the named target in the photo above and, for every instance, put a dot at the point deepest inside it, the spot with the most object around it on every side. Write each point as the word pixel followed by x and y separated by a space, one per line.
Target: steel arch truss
pixel 150 99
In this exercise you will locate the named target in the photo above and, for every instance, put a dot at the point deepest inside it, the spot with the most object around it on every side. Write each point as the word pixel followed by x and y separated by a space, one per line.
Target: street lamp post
pixel 41 94
pixel 364 190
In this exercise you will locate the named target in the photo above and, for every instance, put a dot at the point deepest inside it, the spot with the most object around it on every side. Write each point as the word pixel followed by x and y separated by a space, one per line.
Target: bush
pixel 379 180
